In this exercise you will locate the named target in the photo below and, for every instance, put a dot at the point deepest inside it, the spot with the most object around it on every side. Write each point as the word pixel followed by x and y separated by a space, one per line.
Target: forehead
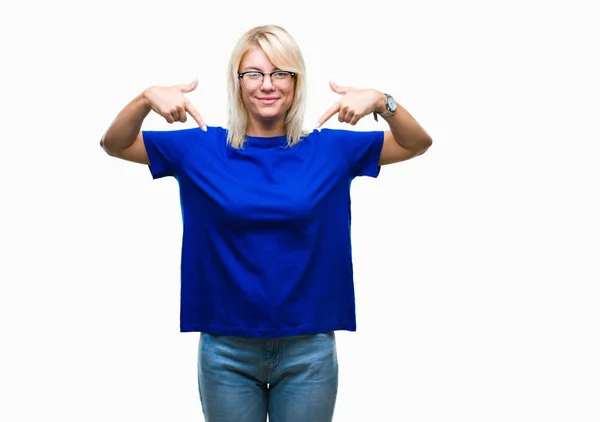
pixel 255 58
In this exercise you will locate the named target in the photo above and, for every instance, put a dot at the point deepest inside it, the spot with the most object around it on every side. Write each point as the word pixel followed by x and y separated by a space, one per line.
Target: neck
pixel 265 129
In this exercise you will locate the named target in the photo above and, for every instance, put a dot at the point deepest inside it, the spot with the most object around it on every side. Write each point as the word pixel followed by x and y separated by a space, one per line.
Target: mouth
pixel 267 100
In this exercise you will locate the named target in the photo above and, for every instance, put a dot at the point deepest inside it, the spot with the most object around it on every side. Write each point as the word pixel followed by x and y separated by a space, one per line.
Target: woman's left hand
pixel 354 104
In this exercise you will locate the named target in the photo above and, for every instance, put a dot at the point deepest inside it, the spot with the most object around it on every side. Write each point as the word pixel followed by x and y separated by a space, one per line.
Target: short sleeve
pixel 166 149
pixel 362 150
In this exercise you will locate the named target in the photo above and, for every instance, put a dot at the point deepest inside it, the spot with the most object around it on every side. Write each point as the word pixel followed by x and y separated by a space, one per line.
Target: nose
pixel 267 84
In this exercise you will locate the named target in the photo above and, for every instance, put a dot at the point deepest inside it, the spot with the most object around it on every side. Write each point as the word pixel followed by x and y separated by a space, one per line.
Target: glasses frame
pixel 263 74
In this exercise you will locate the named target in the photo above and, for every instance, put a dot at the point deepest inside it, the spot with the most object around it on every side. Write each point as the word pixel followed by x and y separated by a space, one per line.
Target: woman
pixel 266 266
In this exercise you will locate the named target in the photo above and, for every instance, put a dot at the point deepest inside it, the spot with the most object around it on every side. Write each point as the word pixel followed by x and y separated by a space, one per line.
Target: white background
pixel 476 264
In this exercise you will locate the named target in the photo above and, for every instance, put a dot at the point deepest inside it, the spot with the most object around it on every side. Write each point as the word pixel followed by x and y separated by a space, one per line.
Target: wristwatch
pixel 390 104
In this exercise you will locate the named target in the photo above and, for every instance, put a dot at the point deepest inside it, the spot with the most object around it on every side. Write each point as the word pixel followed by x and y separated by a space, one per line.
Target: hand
pixel 170 103
pixel 354 104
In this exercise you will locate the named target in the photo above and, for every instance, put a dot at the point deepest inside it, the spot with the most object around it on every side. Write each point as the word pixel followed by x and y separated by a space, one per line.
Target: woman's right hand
pixel 170 103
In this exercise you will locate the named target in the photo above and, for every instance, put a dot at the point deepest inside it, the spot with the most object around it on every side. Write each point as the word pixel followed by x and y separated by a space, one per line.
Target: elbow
pixel 105 148
pixel 425 144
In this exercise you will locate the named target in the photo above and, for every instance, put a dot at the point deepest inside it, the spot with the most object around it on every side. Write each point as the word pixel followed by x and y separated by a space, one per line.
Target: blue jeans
pixel 292 379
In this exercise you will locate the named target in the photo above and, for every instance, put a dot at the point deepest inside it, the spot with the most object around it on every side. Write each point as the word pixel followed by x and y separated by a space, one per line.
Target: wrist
pixel 381 106
pixel 144 99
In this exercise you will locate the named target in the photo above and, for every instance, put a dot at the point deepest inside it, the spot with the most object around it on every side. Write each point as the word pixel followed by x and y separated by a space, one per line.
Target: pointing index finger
pixel 195 115
pixel 327 115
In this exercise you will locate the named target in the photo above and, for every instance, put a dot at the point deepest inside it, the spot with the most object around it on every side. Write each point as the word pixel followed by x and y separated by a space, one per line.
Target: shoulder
pixel 185 133
pixel 359 150
pixel 184 139
pixel 176 142
pixel 347 134
pixel 346 140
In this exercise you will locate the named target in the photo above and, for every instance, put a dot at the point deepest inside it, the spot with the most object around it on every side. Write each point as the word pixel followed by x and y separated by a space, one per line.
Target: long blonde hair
pixel 282 50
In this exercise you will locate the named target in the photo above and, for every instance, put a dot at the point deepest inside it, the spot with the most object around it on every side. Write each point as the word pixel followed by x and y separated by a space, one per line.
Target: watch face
pixel 391 103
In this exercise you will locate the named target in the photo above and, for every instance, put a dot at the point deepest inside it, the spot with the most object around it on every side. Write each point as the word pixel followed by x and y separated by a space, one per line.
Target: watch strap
pixel 386 113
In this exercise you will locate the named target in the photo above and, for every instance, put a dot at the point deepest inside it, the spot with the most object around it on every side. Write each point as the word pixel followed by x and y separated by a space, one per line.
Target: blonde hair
pixel 284 53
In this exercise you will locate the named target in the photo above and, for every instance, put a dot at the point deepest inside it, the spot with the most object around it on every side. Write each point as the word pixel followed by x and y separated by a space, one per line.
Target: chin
pixel 268 114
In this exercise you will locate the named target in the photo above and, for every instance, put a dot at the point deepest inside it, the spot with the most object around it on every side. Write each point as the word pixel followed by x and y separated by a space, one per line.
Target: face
pixel 267 102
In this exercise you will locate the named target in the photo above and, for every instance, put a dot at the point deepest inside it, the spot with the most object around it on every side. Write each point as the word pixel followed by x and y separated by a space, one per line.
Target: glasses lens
pixel 281 80
pixel 254 80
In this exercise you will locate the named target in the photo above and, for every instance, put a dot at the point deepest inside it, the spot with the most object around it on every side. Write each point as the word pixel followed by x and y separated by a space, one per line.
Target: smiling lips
pixel 267 100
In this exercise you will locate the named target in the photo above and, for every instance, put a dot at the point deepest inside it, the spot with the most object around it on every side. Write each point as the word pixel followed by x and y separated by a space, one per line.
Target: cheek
pixel 289 100
pixel 246 98
pixel 290 94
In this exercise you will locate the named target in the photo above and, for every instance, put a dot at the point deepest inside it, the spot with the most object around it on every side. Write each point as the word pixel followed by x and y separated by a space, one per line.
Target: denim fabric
pixel 290 379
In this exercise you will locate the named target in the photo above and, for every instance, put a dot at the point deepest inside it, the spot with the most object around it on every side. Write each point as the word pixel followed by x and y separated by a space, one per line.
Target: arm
pixel 405 139
pixel 124 138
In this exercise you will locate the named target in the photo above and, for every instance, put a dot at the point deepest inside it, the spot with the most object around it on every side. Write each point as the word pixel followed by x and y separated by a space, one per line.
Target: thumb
pixel 337 88
pixel 189 87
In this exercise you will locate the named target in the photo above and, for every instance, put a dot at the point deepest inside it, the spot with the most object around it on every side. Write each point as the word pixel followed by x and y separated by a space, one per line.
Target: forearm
pixel 407 132
pixel 123 131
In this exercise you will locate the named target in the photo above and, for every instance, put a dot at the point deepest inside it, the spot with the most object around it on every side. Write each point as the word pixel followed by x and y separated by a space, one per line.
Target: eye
pixel 253 75
pixel 281 75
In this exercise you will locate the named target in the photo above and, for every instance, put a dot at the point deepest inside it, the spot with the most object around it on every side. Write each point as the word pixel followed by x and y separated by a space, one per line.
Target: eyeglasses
pixel 254 79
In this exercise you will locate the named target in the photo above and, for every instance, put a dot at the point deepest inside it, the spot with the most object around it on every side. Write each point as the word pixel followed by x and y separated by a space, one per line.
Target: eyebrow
pixel 259 69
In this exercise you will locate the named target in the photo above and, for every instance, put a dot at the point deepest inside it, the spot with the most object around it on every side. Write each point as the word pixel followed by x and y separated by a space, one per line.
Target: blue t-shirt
pixel 266 248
